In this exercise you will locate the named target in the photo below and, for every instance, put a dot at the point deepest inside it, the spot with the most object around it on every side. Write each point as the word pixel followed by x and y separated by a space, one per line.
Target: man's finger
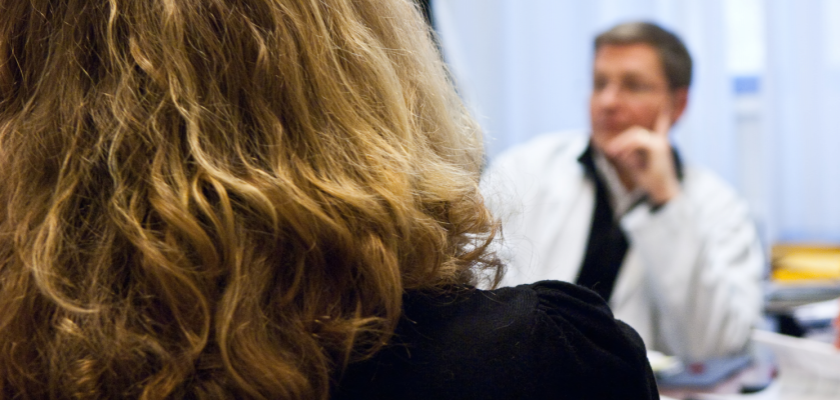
pixel 630 139
pixel 663 121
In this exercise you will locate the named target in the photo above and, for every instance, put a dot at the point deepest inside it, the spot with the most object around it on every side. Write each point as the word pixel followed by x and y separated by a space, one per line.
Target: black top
pixel 548 340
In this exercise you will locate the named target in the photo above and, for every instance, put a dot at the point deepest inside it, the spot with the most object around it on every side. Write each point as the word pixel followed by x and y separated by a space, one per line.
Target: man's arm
pixel 703 266
pixel 643 159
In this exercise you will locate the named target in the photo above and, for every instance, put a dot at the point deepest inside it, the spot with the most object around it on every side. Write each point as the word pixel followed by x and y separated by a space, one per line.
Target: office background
pixel 764 110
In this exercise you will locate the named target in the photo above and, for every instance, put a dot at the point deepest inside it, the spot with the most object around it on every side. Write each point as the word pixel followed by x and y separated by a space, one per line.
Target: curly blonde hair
pixel 223 198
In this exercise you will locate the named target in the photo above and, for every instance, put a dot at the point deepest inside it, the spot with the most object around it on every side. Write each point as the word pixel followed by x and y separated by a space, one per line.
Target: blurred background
pixel 764 108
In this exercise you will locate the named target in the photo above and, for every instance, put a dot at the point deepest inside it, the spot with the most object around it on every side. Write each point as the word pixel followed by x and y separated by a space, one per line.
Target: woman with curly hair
pixel 260 199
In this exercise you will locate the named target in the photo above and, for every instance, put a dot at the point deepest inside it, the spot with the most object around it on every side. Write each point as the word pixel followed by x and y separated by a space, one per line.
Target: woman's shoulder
pixel 530 341
pixel 474 313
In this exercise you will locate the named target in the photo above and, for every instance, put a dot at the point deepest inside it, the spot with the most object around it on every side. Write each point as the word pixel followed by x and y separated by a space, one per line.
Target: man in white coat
pixel 671 247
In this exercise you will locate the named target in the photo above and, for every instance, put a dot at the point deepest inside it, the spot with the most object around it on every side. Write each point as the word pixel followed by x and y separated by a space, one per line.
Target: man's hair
pixel 672 52
pixel 223 199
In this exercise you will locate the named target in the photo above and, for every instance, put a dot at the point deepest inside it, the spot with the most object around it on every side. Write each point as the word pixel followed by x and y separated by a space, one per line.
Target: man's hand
pixel 644 157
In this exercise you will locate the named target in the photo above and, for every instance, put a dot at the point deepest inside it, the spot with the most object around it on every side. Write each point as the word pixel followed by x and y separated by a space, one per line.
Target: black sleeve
pixel 548 340
pixel 587 352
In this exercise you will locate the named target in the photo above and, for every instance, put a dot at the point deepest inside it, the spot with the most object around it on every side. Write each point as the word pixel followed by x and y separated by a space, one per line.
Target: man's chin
pixel 602 136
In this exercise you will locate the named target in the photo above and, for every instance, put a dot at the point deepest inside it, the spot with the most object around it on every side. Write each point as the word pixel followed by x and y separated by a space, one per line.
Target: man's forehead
pixel 628 58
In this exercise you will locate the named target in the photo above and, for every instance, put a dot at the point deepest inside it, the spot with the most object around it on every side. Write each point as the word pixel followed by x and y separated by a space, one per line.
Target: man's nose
pixel 607 96
pixel 610 94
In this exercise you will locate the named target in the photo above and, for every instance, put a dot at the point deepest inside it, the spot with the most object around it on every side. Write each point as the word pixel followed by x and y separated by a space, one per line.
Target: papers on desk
pixel 783 297
pixel 802 274
pixel 802 356
pixel 793 262
pixel 821 311
pixel 808 369
pixel 816 315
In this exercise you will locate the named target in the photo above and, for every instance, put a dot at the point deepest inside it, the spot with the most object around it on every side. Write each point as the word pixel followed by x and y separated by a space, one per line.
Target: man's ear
pixel 679 98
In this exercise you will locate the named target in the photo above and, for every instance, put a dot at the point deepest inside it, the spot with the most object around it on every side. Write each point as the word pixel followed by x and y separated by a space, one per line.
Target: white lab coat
pixel 690 282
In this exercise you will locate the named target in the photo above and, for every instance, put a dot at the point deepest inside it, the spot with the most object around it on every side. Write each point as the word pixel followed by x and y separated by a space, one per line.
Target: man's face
pixel 630 89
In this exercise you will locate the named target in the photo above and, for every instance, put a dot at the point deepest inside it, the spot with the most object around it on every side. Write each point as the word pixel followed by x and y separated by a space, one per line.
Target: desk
pixel 756 378
pixel 807 370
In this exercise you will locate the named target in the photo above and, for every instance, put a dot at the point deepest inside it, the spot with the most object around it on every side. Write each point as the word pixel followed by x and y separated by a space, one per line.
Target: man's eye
pixel 599 84
pixel 635 86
